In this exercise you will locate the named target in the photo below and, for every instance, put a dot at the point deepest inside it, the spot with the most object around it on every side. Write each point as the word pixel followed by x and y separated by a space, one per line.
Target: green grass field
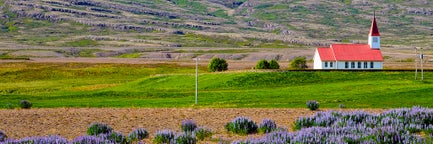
pixel 170 85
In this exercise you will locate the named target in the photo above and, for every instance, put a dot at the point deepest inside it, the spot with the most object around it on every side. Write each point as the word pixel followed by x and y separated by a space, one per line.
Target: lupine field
pixel 395 126
pixel 404 126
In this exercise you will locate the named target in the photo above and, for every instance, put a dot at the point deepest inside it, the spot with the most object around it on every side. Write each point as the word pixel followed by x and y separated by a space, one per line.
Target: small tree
pixel 299 63
pixel 262 64
pixel 273 64
pixel 217 64
pixel 25 104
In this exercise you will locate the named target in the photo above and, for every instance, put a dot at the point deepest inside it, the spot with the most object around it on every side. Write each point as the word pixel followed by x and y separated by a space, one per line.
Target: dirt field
pixel 73 122
pixel 394 58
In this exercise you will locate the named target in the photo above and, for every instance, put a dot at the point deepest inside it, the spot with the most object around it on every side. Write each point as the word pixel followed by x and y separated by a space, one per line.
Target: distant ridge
pixel 243 23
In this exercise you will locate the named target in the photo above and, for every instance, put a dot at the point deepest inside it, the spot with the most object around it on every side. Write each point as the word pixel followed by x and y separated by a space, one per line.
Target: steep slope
pixel 210 23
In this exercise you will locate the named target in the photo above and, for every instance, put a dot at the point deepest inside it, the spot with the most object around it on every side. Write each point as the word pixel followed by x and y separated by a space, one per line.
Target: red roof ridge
pixel 335 58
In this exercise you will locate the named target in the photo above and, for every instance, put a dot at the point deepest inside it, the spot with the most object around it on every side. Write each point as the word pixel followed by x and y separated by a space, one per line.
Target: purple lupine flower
pixel 164 136
pixel 394 126
pixel 188 125
pixel 39 140
pixel 90 140
pixel 242 125
pixel 267 125
pixel 138 134
pixel 202 132
pixel 3 136
pixel 185 138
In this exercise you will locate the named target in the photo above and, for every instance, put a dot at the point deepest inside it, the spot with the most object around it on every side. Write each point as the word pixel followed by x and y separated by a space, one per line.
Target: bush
pixel 188 125
pixel 262 64
pixel 217 64
pixel 242 125
pixel 39 140
pixel 3 136
pixel 138 134
pixel 99 128
pixel 165 136
pixel 185 138
pixel 312 105
pixel 299 63
pixel 267 126
pixel 273 64
pixel 116 137
pixel 342 106
pixel 202 133
pixel 89 140
pixel 25 104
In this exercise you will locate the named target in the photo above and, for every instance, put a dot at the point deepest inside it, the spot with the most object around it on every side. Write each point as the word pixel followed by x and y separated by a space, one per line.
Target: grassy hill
pixel 97 24
pixel 166 85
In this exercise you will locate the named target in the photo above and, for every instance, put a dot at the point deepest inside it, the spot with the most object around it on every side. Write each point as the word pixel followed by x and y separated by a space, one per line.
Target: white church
pixel 352 56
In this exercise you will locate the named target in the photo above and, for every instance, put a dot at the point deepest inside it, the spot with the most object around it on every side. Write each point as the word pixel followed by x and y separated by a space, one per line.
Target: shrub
pixel 217 64
pixel 299 63
pixel 90 140
pixel 25 104
pixel 188 125
pixel 202 133
pixel 242 125
pixel 99 128
pixel 3 136
pixel 312 105
pixel 115 137
pixel 267 126
pixel 273 64
pixel 164 136
pixel 185 138
pixel 138 134
pixel 262 64
pixel 39 140
pixel 342 106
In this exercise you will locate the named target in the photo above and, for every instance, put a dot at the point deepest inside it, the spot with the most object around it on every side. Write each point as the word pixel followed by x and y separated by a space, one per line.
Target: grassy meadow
pixel 171 85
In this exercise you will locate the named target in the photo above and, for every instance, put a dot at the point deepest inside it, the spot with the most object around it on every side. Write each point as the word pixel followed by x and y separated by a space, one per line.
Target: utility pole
pixel 416 63
pixel 422 61
pixel 196 79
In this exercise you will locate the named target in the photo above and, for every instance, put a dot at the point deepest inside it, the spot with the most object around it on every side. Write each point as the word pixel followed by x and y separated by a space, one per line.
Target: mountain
pixel 45 24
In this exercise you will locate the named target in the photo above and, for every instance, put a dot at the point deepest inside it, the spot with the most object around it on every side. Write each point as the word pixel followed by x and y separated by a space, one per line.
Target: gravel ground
pixel 73 122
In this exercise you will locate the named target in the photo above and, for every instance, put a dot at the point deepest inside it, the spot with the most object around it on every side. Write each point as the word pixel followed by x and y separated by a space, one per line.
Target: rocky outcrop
pixel 420 11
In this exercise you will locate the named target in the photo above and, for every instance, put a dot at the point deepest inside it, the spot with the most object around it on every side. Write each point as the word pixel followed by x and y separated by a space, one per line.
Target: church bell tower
pixel 374 36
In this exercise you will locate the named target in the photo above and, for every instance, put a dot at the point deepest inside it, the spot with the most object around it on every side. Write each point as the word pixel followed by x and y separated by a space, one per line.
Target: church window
pixel 359 64
pixel 371 64
pixel 326 64
pixel 365 65
pixel 346 65
pixel 352 65
pixel 375 39
pixel 331 64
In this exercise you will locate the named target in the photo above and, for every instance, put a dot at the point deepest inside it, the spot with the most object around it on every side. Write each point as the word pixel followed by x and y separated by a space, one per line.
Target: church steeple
pixel 374 35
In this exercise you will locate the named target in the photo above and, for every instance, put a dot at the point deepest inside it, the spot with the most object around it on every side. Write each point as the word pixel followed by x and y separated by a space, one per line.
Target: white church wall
pixel 317 61
pixel 378 65
pixel 374 44
pixel 341 65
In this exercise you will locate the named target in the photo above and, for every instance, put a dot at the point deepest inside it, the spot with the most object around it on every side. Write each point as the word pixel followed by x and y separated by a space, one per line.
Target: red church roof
pixel 326 54
pixel 374 31
pixel 350 52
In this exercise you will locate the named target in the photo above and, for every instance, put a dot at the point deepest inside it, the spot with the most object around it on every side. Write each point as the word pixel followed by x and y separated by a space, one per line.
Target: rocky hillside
pixel 210 23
